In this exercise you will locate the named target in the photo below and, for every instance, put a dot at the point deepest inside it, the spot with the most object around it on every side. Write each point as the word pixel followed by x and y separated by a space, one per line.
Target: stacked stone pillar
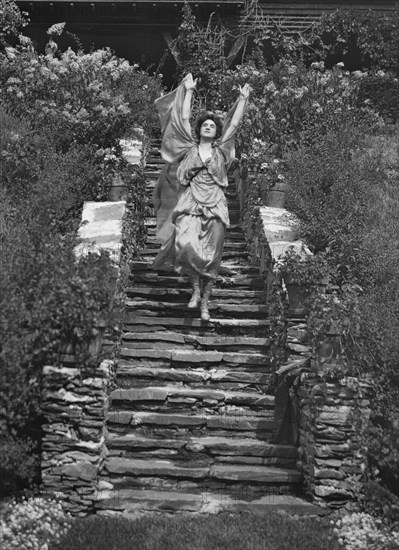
pixel 333 418
pixel 74 407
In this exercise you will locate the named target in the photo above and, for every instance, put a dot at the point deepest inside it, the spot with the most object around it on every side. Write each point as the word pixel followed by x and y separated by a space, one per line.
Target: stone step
pixel 194 401
pixel 146 374
pixel 231 327
pixel 173 356
pixel 217 309
pixel 196 396
pixel 180 424
pixel 219 472
pixel 168 279
pixel 227 269
pixel 220 447
pixel 182 295
pixel 119 446
pixel 134 502
pixel 167 339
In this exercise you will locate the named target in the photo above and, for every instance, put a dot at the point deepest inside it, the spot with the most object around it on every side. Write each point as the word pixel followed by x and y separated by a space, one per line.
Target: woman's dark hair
pixel 208 116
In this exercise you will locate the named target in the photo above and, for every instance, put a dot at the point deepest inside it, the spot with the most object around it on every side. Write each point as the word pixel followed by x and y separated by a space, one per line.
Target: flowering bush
pixel 35 523
pixel 66 152
pixel 89 98
pixel 360 530
pixel 12 20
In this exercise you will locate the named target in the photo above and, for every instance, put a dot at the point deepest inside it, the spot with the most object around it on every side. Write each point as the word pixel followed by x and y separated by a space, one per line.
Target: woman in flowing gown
pixel 192 213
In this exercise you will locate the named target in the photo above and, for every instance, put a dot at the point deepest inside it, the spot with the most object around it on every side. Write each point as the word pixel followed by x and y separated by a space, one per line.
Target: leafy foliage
pixel 81 97
pixel 201 50
pixel 370 38
pixel 12 20
pixel 62 118
pixel 344 189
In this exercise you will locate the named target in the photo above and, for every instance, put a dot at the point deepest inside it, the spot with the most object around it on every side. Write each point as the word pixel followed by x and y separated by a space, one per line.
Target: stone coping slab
pixel 281 227
pixel 101 228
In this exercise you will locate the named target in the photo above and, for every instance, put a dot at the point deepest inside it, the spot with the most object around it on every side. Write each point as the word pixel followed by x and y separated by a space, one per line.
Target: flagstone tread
pixel 245 447
pixel 195 356
pixel 170 280
pixel 199 375
pixel 138 441
pixel 222 422
pixel 176 302
pixel 265 474
pixel 223 326
pixel 186 292
pixel 187 339
pixel 213 305
pixel 137 467
pixel 233 450
pixel 236 472
pixel 164 392
pixel 134 503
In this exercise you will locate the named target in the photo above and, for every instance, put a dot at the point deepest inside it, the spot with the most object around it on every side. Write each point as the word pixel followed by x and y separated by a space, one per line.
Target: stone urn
pixel 118 190
pixel 275 197
pixel 297 295
pixel 329 350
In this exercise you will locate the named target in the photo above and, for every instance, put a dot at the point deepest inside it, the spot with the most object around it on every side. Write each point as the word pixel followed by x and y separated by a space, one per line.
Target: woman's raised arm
pixel 234 119
pixel 189 85
pixel 244 94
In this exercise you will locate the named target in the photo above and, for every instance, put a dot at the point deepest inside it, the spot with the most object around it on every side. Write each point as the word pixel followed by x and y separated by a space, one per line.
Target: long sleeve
pixel 176 137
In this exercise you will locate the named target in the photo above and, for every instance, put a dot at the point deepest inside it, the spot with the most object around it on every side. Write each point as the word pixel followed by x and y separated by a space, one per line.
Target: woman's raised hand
pixel 245 91
pixel 189 82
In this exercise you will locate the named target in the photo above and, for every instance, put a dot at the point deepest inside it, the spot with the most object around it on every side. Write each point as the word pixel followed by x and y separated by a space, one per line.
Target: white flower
pixel 317 65
pixel 341 65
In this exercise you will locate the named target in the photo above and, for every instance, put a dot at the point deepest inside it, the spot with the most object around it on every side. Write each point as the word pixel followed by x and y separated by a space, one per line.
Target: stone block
pixel 85 471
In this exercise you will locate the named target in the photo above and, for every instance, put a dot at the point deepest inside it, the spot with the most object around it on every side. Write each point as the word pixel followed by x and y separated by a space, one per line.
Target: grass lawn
pixel 275 531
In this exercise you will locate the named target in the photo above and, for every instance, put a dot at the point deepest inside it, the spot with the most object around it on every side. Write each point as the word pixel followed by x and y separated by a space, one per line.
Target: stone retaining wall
pixel 327 420
pixel 333 417
pixel 75 397
pixel 74 406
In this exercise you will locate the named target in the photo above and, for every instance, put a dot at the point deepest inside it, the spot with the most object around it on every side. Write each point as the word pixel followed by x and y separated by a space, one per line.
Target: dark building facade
pixel 140 30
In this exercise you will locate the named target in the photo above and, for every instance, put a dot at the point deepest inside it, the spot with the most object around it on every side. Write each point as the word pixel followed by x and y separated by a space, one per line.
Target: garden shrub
pixel 12 21
pixel 363 39
pixel 381 91
pixel 55 183
pixel 62 118
pixel 345 193
pixel 89 98
pixel 329 193
pixel 47 298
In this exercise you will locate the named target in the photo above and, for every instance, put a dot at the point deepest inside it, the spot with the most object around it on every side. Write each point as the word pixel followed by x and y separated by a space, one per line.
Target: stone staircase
pixel 191 419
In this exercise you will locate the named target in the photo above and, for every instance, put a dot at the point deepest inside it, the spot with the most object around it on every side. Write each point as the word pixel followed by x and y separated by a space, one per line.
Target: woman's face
pixel 208 129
